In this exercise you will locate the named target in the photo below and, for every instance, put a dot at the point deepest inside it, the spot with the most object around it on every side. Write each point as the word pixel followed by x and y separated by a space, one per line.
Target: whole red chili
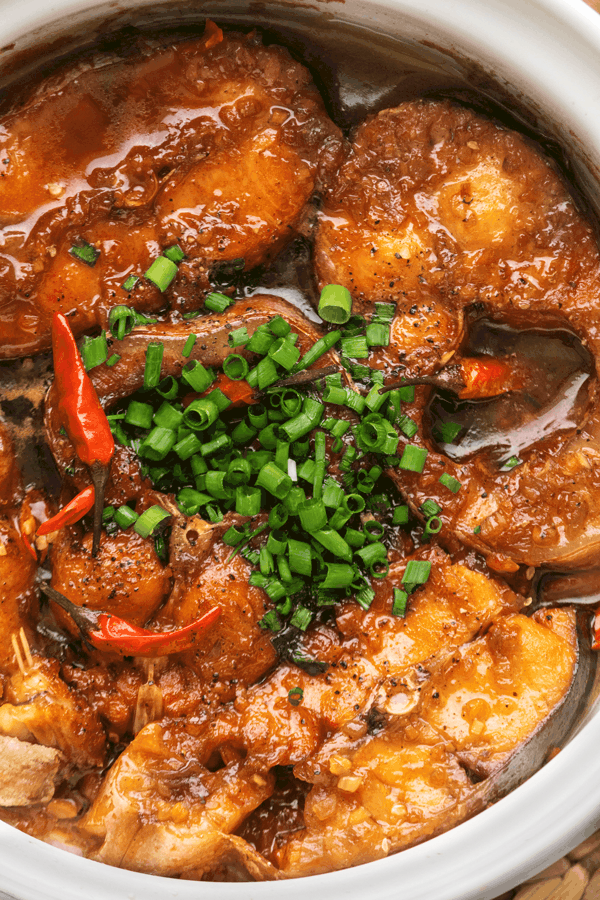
pixel 82 415
pixel 75 510
pixel 107 632
pixel 117 634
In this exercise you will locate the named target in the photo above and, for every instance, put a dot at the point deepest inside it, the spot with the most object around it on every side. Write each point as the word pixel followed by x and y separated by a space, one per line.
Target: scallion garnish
pixel 453 484
pixel 161 272
pixel 154 355
pixel 335 304
pixel 94 351
pixel 86 253
pixel 189 345
pixel 217 302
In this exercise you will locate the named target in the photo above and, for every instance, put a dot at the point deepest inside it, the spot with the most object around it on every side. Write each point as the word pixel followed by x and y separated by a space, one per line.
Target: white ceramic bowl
pixel 546 53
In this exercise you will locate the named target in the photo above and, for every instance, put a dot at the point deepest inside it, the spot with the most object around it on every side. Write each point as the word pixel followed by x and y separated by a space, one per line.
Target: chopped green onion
pixel 433 525
pixel 407 425
pixel 453 484
pixel 335 304
pixel 318 349
pixel 279 326
pixel 417 572
pixel 365 597
pixel 334 542
pixel 447 432
pixel 189 345
pixel 200 414
pixel 235 367
pixel 217 486
pixel 430 508
pixel 284 353
pixel 338 575
pixel 174 253
pixel 219 399
pixel 284 570
pixel 154 356
pixel 294 499
pixel 168 388
pixel 113 360
pixel 152 520
pixel 157 443
pixel 313 516
pixel 272 479
pixel 247 500
pixel 373 530
pixel 354 538
pixel 400 601
pixel 129 283
pixel 238 337
pixel 86 253
pixel 270 620
pixel 187 446
pixel 239 472
pixel 278 516
pixel 277 542
pixel 372 553
pixel 511 463
pixel 139 414
pixel 260 341
pixel 196 376
pixel 301 618
pixel 189 501
pixel 94 351
pixel 167 416
pixel 413 458
pixel 217 302
pixel 234 536
pixel 300 557
pixel 121 321
pixel 219 442
pixel 333 494
pixel 161 272
pixel 406 394
pixel 125 517
pixel 385 311
pixel 265 561
pixel 355 347
pixel 375 399
pixel 378 334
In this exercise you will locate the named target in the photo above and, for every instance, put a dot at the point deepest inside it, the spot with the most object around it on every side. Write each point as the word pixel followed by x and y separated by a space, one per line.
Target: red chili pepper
pixel 29 546
pixel 71 513
pixel 117 634
pixel 239 392
pixel 488 378
pixel 82 415
pixel 596 627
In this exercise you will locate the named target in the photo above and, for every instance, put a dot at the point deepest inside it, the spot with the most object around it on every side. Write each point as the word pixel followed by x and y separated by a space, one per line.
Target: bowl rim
pixel 541 48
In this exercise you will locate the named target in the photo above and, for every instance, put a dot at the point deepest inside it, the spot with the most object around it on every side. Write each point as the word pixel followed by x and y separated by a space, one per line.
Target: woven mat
pixel 574 877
